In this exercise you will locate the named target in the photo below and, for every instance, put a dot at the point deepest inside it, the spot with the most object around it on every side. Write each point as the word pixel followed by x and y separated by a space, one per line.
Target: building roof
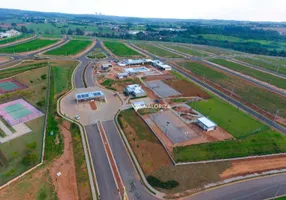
pixel 89 95
pixel 135 88
pixel 208 123
pixel 136 70
pixel 107 65
pixel 123 74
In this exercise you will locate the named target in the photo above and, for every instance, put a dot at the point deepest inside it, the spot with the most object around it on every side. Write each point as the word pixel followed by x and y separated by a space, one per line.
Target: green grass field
pixel 156 50
pixel 13 39
pixel 274 60
pixel 279 82
pixel 260 97
pixel 73 47
pixel 237 123
pixel 186 50
pixel 28 46
pixel 120 49
pixel 97 54
pixel 263 64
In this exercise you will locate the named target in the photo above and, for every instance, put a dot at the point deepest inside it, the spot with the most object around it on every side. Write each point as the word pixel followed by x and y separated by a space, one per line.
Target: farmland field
pixel 28 46
pixel 120 49
pixel 13 39
pixel 156 50
pixel 276 81
pixel 263 64
pixel 73 47
pixel 260 97
pixel 186 50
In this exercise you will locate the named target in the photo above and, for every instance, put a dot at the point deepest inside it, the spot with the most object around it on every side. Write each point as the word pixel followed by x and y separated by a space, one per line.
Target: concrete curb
pixel 90 167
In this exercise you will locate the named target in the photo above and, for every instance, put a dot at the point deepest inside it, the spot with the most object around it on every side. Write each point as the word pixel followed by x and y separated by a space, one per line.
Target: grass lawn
pixel 13 39
pixel 73 47
pixel 186 50
pixel 260 97
pixel 263 64
pixel 28 46
pixel 236 123
pixel 276 81
pixel 266 142
pixel 60 82
pixel 96 54
pixel 120 49
pixel 156 50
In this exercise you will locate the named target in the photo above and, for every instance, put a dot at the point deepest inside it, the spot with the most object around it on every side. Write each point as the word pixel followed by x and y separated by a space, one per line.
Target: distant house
pixel 135 90
pixel 106 66
pixel 206 124
pixel 9 33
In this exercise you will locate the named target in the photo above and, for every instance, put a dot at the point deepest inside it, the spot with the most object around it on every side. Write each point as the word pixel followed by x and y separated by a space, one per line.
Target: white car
pixel 77 117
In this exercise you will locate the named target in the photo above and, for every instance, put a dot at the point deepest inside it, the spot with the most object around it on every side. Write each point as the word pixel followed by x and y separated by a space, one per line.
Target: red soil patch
pixel 4 59
pixel 65 185
pixel 256 165
pixel 187 89
pixel 184 110
pixel 92 105
pixel 159 77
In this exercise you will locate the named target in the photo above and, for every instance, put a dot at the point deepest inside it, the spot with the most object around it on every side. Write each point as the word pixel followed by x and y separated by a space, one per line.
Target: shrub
pixel 30 159
pixel 155 182
pixel 44 76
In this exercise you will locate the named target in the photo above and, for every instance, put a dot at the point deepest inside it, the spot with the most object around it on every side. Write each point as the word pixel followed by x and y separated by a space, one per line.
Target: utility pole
pixel 232 91
pixel 276 115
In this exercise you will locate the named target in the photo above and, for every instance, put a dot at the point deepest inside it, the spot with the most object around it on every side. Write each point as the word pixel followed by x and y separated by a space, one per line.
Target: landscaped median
pixel 28 46
pixel 71 48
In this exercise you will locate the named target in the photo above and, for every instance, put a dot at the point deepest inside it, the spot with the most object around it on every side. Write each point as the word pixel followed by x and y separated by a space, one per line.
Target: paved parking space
pixel 162 89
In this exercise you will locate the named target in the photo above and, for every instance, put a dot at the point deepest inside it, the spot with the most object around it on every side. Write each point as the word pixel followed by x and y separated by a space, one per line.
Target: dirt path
pixel 3 59
pixel 65 185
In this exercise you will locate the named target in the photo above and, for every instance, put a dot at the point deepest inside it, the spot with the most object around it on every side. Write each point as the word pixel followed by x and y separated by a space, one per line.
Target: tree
pixel 70 32
pixel 79 31
pixel 24 29
pixel 63 31
pixel 13 24
pixel 30 158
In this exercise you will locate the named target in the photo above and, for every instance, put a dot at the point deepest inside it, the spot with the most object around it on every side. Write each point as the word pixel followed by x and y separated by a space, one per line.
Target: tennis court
pixel 10 85
pixel 18 111
pixel 7 86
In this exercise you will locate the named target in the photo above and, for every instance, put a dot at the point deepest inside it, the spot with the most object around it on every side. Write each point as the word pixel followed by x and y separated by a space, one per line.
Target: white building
pixel 206 124
pixel 9 33
pixel 156 63
pixel 122 75
pixel 106 66
pixel 135 90
pixel 95 95
pixel 162 66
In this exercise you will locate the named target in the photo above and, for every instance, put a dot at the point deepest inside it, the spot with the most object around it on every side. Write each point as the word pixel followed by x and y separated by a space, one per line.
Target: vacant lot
pixel 263 64
pixel 276 81
pixel 257 96
pixel 154 160
pixel 28 46
pixel 156 50
pixel 186 88
pixel 120 49
pixel 186 50
pixel 73 47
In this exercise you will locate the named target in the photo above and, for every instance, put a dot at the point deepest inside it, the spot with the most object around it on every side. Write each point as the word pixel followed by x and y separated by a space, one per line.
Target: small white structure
pixel 122 75
pixel 162 66
pixel 206 124
pixel 106 66
pixel 129 62
pixel 138 105
pixel 135 90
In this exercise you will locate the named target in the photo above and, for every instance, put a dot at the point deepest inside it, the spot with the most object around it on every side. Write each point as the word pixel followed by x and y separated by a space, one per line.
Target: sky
pixel 249 10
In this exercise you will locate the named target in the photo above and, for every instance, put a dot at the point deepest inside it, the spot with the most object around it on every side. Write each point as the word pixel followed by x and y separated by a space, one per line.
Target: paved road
pixel 134 187
pixel 256 189
pixel 106 183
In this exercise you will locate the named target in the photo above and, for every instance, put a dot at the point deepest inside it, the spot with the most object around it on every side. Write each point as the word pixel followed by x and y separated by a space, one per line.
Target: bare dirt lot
pixel 187 89
pixel 65 185
pixel 248 166
pixel 3 59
